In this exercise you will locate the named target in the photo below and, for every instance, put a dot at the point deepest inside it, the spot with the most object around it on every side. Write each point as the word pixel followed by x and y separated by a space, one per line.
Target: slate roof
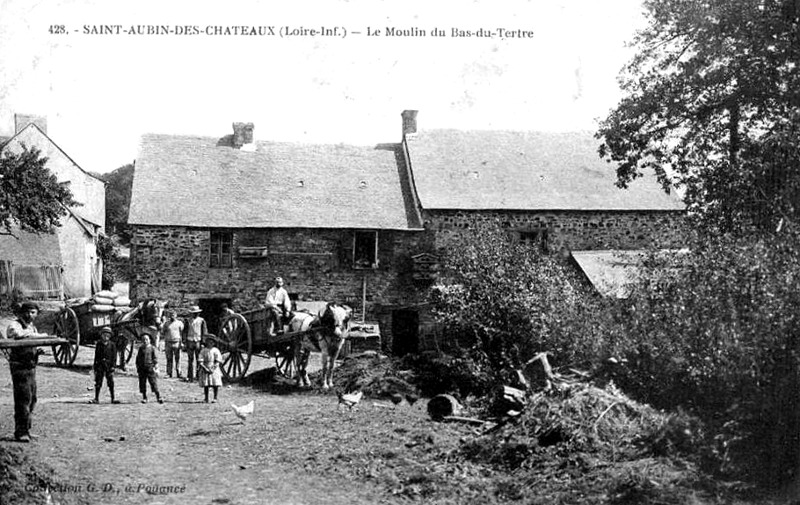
pixel 612 273
pixel 507 170
pixel 205 182
pixel 30 248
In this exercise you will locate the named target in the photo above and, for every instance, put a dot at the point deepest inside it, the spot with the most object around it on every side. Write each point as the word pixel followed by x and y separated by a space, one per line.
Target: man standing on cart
pixel 279 305
pixel 23 361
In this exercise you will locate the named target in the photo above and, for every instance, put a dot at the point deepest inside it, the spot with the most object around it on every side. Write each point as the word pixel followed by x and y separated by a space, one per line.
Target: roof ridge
pixel 57 147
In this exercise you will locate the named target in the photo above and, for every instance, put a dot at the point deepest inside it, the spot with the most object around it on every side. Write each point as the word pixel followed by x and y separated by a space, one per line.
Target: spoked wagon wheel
pixel 236 346
pixel 126 341
pixel 285 359
pixel 66 326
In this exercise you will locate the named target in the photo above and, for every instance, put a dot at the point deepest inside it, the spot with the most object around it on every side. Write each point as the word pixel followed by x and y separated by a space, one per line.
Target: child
pixel 105 353
pixel 209 367
pixel 146 363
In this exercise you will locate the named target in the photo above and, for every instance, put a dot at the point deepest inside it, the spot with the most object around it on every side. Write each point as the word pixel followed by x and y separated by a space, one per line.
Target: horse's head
pixel 334 318
pixel 151 311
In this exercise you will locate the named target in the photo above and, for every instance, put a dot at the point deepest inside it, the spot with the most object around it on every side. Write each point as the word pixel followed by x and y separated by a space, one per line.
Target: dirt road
pixel 186 451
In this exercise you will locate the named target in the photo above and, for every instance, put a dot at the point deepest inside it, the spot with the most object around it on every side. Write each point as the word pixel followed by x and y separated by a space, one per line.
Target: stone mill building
pixel 217 218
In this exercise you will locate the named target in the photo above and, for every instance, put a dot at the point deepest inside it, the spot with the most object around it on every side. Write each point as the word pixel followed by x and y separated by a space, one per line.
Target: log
pixel 441 406
pixel 539 373
pixel 466 420
pixel 508 398
pixel 6 343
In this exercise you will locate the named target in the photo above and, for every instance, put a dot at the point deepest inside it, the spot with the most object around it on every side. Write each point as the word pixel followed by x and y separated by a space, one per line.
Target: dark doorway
pixel 212 312
pixel 405 331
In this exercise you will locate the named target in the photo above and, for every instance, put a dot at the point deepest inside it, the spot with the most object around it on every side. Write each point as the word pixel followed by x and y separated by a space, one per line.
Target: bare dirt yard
pixel 296 448
pixel 583 444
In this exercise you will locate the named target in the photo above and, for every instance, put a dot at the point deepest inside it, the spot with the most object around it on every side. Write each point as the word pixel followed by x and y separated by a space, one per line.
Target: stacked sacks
pixel 109 301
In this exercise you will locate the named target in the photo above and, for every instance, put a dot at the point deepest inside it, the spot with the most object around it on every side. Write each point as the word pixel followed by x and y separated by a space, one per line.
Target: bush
pixel 716 330
pixel 507 300
pixel 462 376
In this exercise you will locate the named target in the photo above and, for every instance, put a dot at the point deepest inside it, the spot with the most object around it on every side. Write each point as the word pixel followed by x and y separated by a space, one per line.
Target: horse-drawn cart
pixel 244 335
pixel 81 324
pixel 313 326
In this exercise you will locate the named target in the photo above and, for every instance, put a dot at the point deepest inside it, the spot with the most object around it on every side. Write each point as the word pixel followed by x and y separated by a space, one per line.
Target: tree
pixel 712 104
pixel 31 198
pixel 118 200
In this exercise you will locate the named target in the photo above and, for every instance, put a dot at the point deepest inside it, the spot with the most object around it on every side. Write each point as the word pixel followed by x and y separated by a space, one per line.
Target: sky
pixel 101 91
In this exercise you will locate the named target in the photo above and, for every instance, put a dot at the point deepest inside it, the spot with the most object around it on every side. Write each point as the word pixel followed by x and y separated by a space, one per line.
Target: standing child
pixel 146 363
pixel 209 367
pixel 105 352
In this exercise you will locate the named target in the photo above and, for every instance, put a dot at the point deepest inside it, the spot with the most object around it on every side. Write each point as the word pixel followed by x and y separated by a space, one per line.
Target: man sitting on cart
pixel 279 307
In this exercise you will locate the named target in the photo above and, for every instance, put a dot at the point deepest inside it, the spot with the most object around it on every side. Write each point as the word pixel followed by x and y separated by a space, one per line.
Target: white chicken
pixel 350 400
pixel 244 411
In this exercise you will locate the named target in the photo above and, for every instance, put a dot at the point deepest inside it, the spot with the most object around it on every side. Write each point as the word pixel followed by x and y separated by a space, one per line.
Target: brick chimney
pixel 242 134
pixel 23 120
pixel 409 123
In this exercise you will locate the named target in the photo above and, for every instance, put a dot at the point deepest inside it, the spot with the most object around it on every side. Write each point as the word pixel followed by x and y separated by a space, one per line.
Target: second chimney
pixel 409 122
pixel 242 134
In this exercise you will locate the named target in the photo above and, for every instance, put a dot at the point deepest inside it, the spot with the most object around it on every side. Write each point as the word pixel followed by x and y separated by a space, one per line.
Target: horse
pixel 148 314
pixel 331 325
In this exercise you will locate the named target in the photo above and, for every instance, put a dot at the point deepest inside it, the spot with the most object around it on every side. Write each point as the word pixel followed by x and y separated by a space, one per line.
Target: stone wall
pixel 172 263
pixel 575 230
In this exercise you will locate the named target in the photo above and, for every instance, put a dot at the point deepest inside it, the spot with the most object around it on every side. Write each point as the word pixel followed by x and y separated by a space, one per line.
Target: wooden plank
pixel 6 343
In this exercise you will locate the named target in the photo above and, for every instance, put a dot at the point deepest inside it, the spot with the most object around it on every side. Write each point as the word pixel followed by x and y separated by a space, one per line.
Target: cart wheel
pixel 285 359
pixel 126 340
pixel 66 326
pixel 236 346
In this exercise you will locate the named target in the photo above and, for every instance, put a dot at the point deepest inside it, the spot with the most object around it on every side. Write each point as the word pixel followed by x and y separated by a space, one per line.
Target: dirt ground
pixel 302 447
pixel 186 451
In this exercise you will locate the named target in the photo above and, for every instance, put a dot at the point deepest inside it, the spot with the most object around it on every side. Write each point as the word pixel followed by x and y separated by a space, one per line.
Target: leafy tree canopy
pixel 31 198
pixel 118 200
pixel 712 101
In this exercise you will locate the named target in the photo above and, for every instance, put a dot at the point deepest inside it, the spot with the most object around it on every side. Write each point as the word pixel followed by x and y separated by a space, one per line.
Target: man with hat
pixel 172 331
pixel 104 354
pixel 23 361
pixel 194 333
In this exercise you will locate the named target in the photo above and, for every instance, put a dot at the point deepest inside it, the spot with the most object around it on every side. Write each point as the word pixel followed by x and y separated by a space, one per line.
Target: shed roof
pixel 511 170
pixel 612 272
pixel 205 182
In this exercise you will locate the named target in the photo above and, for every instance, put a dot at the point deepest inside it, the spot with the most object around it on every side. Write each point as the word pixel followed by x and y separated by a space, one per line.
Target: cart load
pixel 82 319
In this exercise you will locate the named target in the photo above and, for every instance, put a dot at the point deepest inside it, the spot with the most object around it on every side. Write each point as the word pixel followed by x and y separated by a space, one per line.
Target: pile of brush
pixel 376 375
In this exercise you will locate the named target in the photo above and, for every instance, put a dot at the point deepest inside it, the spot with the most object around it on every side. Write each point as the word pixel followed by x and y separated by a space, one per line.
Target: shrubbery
pixel 716 330
pixel 506 300
pixel 712 330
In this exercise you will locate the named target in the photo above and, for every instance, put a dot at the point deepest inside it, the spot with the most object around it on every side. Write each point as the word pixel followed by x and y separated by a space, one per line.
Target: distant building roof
pixel 612 273
pixel 506 170
pixel 206 182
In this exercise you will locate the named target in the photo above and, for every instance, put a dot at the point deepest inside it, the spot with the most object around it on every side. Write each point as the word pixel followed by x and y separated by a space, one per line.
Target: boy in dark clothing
pixel 104 354
pixel 146 363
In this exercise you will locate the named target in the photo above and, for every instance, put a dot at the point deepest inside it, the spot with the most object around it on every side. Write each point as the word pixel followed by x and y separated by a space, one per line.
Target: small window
pixel 535 238
pixel 221 253
pixel 365 249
